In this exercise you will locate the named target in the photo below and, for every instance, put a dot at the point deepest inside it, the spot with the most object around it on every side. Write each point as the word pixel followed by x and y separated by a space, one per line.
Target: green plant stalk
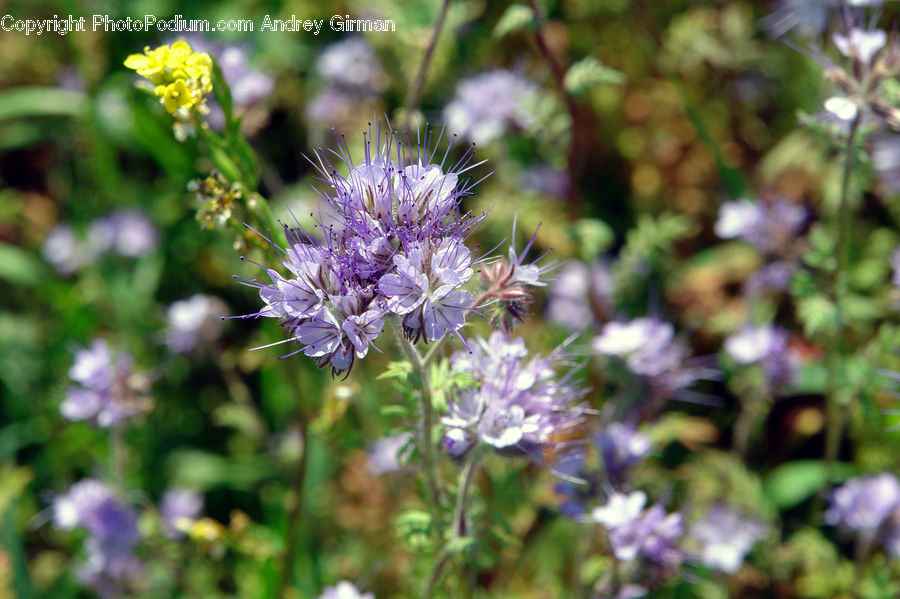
pixel 835 413
pixel 459 530
pixel 426 430
pixel 415 91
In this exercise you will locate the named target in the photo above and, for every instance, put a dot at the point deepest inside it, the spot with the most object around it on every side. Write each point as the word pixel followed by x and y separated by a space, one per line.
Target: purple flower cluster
pixel 487 104
pixel 636 532
pixel 766 345
pixel 393 246
pixel 125 232
pixel 517 404
pixel 111 564
pixel 768 227
pixel 193 321
pixel 107 392
pixel 651 350
pixel 725 538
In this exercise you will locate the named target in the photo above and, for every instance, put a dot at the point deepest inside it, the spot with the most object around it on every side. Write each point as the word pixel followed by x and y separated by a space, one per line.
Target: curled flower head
pixel 392 247
pixel 180 76
pixel 517 405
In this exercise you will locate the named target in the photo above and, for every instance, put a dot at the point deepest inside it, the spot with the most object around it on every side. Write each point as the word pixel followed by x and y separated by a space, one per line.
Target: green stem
pixel 415 91
pixel 459 530
pixel 426 437
pixel 835 414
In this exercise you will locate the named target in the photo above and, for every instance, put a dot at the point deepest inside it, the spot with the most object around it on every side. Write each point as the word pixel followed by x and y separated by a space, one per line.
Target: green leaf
pixel 818 315
pixel 588 73
pixel 794 482
pixel 397 370
pixel 20 267
pixel 23 102
pixel 516 18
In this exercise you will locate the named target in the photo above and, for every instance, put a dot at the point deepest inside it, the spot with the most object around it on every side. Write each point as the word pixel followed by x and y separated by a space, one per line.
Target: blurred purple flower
pixel 773 277
pixel 886 159
pixel 385 454
pixel 63 250
pixel 864 504
pixel 575 291
pixel 516 405
pixel 635 532
pixel 352 66
pixel 647 345
pixel 768 227
pixel 344 590
pixel 766 345
pixel 543 178
pixel 725 537
pixel 622 448
pixel 113 531
pixel 487 104
pixel 126 232
pixel 177 507
pixel 106 395
pixel 193 321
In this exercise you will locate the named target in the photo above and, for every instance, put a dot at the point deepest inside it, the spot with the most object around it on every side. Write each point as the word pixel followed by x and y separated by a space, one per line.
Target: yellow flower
pixel 180 76
pixel 177 95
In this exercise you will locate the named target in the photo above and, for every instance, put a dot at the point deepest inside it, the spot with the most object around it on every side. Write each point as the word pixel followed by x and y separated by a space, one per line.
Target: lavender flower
pixel 126 232
pixel 621 447
pixel 344 590
pixel 646 344
pixel 864 504
pixel 725 537
pixel 809 18
pixel 385 454
pixel 177 507
pixel 63 250
pixel 112 526
pixel 193 321
pixel 108 393
pixel 768 227
pixel 393 247
pixel 578 288
pixel 773 277
pixel 487 104
pixel 635 532
pixel 352 66
pixel 766 345
pixel 516 405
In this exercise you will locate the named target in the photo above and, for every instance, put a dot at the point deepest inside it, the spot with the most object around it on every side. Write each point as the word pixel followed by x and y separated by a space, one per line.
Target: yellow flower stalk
pixel 180 76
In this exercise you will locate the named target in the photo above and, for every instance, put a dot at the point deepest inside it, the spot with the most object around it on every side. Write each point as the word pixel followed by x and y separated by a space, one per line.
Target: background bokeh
pixel 694 105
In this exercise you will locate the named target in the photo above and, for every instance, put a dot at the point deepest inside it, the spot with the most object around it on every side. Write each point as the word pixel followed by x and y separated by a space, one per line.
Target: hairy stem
pixel 835 413
pixel 415 92
pixel 459 530
pixel 295 515
pixel 426 437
